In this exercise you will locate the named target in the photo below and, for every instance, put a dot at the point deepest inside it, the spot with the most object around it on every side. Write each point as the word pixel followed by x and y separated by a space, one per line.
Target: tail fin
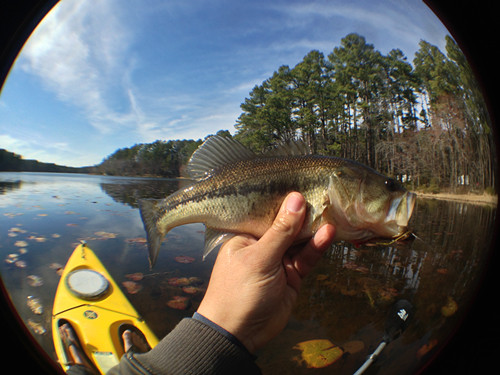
pixel 150 216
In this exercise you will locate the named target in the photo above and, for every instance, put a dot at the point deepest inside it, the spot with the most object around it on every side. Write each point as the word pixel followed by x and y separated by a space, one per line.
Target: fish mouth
pixel 401 209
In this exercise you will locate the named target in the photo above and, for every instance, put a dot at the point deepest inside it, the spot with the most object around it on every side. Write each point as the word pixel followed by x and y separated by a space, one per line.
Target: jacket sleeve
pixel 192 347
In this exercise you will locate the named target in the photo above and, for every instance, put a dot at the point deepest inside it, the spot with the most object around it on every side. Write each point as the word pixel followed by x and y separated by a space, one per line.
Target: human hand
pixel 250 295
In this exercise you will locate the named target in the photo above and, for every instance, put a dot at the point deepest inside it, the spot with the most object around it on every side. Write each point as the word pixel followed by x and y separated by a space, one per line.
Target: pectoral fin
pixel 214 238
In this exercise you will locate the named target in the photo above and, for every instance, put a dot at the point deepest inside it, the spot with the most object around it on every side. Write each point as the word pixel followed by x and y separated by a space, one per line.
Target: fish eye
pixel 391 184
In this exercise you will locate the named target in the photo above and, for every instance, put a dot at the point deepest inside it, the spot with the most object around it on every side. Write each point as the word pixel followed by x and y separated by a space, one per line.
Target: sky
pixel 98 76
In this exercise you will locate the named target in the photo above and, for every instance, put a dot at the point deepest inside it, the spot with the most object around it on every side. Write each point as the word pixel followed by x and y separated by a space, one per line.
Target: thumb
pixel 286 226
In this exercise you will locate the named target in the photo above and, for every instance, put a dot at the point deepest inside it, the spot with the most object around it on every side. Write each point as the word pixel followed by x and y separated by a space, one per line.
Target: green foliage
pixel 424 121
pixel 12 162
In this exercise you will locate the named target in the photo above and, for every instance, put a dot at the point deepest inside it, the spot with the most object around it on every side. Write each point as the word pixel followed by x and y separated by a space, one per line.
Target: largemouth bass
pixel 237 191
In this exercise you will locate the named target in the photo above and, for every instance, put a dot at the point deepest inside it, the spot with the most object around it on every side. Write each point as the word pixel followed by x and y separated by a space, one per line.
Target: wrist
pixel 222 331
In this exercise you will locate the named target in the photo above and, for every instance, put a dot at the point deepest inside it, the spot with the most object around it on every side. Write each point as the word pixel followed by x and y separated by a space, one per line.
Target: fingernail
pixel 294 203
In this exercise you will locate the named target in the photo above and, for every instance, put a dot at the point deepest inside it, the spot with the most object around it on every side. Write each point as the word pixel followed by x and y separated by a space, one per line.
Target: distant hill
pixel 11 162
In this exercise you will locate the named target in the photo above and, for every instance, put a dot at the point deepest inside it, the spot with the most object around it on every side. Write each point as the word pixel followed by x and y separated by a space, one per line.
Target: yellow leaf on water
pixel 450 308
pixel 317 353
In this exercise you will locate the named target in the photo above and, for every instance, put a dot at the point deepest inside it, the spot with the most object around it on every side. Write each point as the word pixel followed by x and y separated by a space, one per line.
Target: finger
pixel 304 260
pixel 285 227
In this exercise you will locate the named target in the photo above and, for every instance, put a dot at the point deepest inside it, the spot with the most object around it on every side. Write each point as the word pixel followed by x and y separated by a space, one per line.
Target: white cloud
pixel 79 51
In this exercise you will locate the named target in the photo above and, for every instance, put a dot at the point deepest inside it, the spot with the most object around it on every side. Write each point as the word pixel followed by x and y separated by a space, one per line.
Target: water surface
pixel 345 299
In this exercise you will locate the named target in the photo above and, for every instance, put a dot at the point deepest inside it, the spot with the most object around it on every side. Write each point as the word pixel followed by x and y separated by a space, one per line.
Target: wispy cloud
pixel 80 53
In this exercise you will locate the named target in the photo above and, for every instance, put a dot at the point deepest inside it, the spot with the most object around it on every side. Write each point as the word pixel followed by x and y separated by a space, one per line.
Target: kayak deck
pixel 97 320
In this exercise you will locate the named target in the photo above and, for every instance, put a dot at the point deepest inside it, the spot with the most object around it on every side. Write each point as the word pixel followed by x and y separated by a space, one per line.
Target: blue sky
pixel 98 76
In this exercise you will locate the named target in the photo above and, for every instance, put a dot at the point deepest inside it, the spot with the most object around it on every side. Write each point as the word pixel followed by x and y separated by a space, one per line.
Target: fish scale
pixel 241 192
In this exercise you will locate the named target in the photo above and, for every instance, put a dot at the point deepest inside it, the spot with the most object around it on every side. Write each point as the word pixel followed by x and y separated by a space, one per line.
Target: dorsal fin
pixel 215 152
pixel 290 148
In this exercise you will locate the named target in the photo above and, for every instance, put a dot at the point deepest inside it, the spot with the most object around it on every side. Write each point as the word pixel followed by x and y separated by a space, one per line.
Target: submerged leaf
pixel 179 281
pixel 184 259
pixel 190 289
pixel 317 353
pixel 132 287
pixel 138 276
pixel 179 303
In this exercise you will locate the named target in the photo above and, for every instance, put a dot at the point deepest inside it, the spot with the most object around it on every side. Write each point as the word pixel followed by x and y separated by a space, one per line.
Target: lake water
pixel 345 299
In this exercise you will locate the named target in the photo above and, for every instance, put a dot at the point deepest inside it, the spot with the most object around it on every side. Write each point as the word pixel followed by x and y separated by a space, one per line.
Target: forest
pixel 12 162
pixel 425 124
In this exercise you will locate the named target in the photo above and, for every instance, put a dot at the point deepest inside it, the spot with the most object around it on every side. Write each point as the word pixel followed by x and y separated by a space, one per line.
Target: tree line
pixel 426 125
pixel 12 162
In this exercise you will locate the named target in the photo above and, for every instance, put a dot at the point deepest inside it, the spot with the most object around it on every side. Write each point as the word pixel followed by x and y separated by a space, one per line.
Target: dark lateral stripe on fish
pixel 281 184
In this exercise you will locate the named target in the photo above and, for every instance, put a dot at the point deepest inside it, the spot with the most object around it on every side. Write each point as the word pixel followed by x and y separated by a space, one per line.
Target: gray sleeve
pixel 191 348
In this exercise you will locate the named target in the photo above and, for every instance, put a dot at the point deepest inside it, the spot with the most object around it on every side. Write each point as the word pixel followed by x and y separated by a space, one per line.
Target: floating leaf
pixel 35 280
pixel 58 267
pixel 450 308
pixel 11 258
pixel 106 234
pixel 36 327
pixel 426 348
pixel 55 235
pixel 317 353
pixel 71 225
pixel 12 234
pixel 138 276
pixel 17 230
pixel 35 305
pixel 136 240
pixel 184 259
pixel 40 239
pixel 132 287
pixel 42 215
pixel 20 264
pixel 179 303
pixel 21 244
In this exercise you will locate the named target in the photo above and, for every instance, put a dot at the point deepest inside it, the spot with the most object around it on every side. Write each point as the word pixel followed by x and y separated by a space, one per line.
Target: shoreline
pixel 469 198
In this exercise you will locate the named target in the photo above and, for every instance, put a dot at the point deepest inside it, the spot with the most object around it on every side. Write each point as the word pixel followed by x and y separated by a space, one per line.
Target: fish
pixel 236 191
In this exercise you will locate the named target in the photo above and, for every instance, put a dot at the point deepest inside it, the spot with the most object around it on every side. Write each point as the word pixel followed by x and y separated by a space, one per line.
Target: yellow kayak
pixel 92 303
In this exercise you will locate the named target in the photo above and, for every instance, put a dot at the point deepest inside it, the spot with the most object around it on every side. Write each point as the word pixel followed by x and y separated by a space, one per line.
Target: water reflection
pixel 7 186
pixel 346 298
